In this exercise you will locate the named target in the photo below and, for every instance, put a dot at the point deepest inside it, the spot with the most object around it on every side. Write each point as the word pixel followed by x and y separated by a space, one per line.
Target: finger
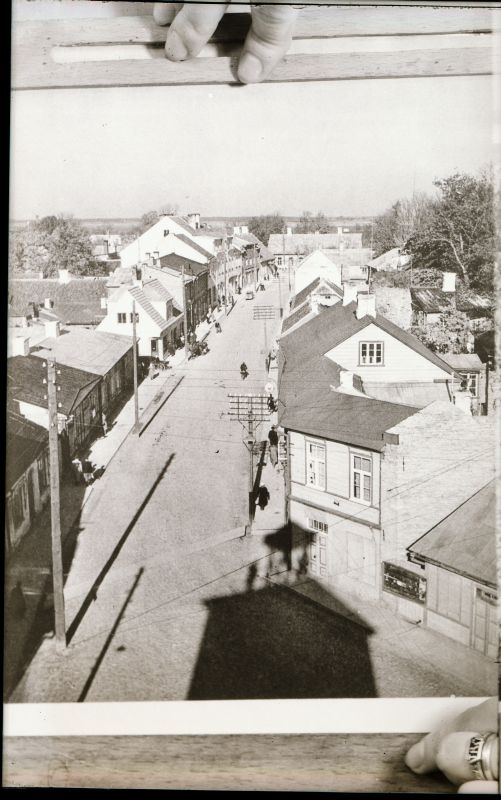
pixel 421 757
pixel 267 41
pixel 163 13
pixel 192 28
pixel 479 787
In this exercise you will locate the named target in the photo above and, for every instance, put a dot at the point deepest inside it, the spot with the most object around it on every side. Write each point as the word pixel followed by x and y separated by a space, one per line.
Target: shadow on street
pixel 271 642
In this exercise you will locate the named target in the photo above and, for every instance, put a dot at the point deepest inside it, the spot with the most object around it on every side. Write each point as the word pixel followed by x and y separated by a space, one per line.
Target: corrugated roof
pixel 432 300
pixel 338 323
pixel 24 442
pixel 141 298
pixel 296 316
pixel 96 352
pixel 75 303
pixel 25 376
pixel 154 290
pixel 465 541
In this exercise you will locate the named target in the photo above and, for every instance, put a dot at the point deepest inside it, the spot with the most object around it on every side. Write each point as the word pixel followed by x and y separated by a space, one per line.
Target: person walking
pixel 104 423
pixel 273 440
pixel 218 327
pixel 263 497
pixel 272 406
pixel 243 370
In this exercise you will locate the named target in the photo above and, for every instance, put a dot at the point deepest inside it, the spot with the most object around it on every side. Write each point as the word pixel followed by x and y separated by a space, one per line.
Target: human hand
pixel 446 748
pixel 192 25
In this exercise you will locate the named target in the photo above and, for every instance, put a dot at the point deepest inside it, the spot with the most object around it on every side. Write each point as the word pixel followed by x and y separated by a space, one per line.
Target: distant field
pixel 128 224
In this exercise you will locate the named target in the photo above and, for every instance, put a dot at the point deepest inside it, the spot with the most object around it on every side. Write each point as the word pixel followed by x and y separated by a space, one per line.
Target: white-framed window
pixel 131 317
pixel 361 477
pixel 317 526
pixel 471 382
pixel 279 261
pixel 315 465
pixel 121 318
pixel 371 353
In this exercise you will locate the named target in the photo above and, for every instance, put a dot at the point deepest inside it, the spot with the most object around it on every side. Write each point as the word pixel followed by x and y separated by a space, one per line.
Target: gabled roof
pixel 433 300
pixel 154 290
pixel 298 315
pixel 303 295
pixel 96 352
pixel 25 375
pixel 24 442
pixel 194 245
pixel 75 303
pixel 142 300
pixel 176 263
pixel 465 541
pixel 308 404
pixel 463 361
pixel 339 323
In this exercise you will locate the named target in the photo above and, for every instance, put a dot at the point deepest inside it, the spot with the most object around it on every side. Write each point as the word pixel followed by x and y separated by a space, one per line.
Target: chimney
pixel 64 276
pixel 194 221
pixel 52 328
pixel 47 303
pixel 34 309
pixel 104 303
pixel 20 345
pixel 349 293
pixel 289 231
pixel 449 282
pixel 346 379
pixel 366 305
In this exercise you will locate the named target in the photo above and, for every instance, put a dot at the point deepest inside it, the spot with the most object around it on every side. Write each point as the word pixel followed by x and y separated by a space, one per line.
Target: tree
pixel 311 224
pixel 53 243
pixel 450 335
pixel 262 227
pixel 400 223
pixel 458 234
pixel 147 221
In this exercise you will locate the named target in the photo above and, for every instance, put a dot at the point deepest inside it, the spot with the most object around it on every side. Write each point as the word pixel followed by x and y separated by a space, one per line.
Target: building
pixel 310 301
pixel 366 477
pixel 171 234
pixel 316 265
pixel 393 260
pixel 75 302
pixel 157 325
pixel 106 355
pixel 79 400
pixel 429 303
pixel 290 248
pixel 457 559
pixel 27 476
pixel 471 370
pixel 394 303
pixel 194 289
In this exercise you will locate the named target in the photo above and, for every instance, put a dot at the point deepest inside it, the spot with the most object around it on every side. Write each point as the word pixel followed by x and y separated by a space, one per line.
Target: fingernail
pixel 415 756
pixel 249 69
pixel 175 49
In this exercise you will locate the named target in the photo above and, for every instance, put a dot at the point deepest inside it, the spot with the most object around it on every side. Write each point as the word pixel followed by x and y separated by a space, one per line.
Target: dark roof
pixel 303 295
pixel 433 300
pixel 175 262
pixel 338 323
pixel 308 404
pixel 296 316
pixel 465 541
pixel 24 442
pixel 75 303
pixel 194 245
pixel 25 375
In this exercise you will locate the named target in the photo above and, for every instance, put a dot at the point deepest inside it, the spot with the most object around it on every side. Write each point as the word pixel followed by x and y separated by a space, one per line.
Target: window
pixel 153 346
pixel 470 382
pixel 316 525
pixel 363 270
pixel 361 478
pixel 371 353
pixel 131 317
pixel 315 463
pixel 18 505
pixel 279 261
pixel 121 318
pixel 43 472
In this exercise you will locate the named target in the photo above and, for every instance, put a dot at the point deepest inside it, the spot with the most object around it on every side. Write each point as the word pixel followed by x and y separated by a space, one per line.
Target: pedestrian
pixel 218 327
pixel 263 497
pixel 271 403
pixel 243 370
pixel 104 423
pixel 273 439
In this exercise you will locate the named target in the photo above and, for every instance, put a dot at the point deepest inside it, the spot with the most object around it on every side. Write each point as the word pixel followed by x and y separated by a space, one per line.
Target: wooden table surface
pixel 339 763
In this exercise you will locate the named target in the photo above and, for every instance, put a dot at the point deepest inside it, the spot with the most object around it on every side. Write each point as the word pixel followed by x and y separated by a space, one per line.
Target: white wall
pixel 401 363
pixel 153 240
pixel 316 265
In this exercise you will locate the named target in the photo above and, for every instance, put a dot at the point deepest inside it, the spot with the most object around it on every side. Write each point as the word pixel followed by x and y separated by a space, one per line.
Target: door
pixel 318 555
pixel 485 626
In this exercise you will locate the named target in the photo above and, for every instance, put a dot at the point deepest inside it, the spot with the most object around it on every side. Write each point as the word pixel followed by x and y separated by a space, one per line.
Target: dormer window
pixel 371 354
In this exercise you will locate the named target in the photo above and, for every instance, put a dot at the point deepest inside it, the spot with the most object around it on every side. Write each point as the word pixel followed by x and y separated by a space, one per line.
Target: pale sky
pixel 347 147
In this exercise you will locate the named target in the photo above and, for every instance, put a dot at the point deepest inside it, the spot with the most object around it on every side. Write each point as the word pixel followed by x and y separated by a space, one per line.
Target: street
pixel 166 601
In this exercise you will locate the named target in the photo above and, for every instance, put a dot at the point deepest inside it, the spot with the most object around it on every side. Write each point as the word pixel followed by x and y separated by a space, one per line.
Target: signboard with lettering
pixel 404 583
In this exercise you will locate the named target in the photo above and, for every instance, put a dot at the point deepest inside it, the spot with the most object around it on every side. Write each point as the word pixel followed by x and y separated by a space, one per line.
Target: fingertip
pixel 415 757
pixel 478 787
pixel 250 69
pixel 163 13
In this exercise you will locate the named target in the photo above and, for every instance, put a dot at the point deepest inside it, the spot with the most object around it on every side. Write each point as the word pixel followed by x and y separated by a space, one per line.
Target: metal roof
pixel 96 352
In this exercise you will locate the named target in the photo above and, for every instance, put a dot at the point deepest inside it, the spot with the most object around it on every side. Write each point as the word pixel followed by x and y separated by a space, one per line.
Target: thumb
pixel 267 42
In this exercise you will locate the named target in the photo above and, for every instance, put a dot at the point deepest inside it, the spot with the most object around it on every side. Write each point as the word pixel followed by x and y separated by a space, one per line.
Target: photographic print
pixel 251 373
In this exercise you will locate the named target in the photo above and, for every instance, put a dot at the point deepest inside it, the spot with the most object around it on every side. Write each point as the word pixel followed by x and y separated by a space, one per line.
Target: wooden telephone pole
pixel 185 315
pixel 137 426
pixel 55 507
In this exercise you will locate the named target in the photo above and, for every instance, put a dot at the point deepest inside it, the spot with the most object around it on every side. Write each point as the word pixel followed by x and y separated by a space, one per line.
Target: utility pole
pixel 55 506
pixel 249 410
pixel 136 427
pixel 225 284
pixel 185 315
pixel 280 295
